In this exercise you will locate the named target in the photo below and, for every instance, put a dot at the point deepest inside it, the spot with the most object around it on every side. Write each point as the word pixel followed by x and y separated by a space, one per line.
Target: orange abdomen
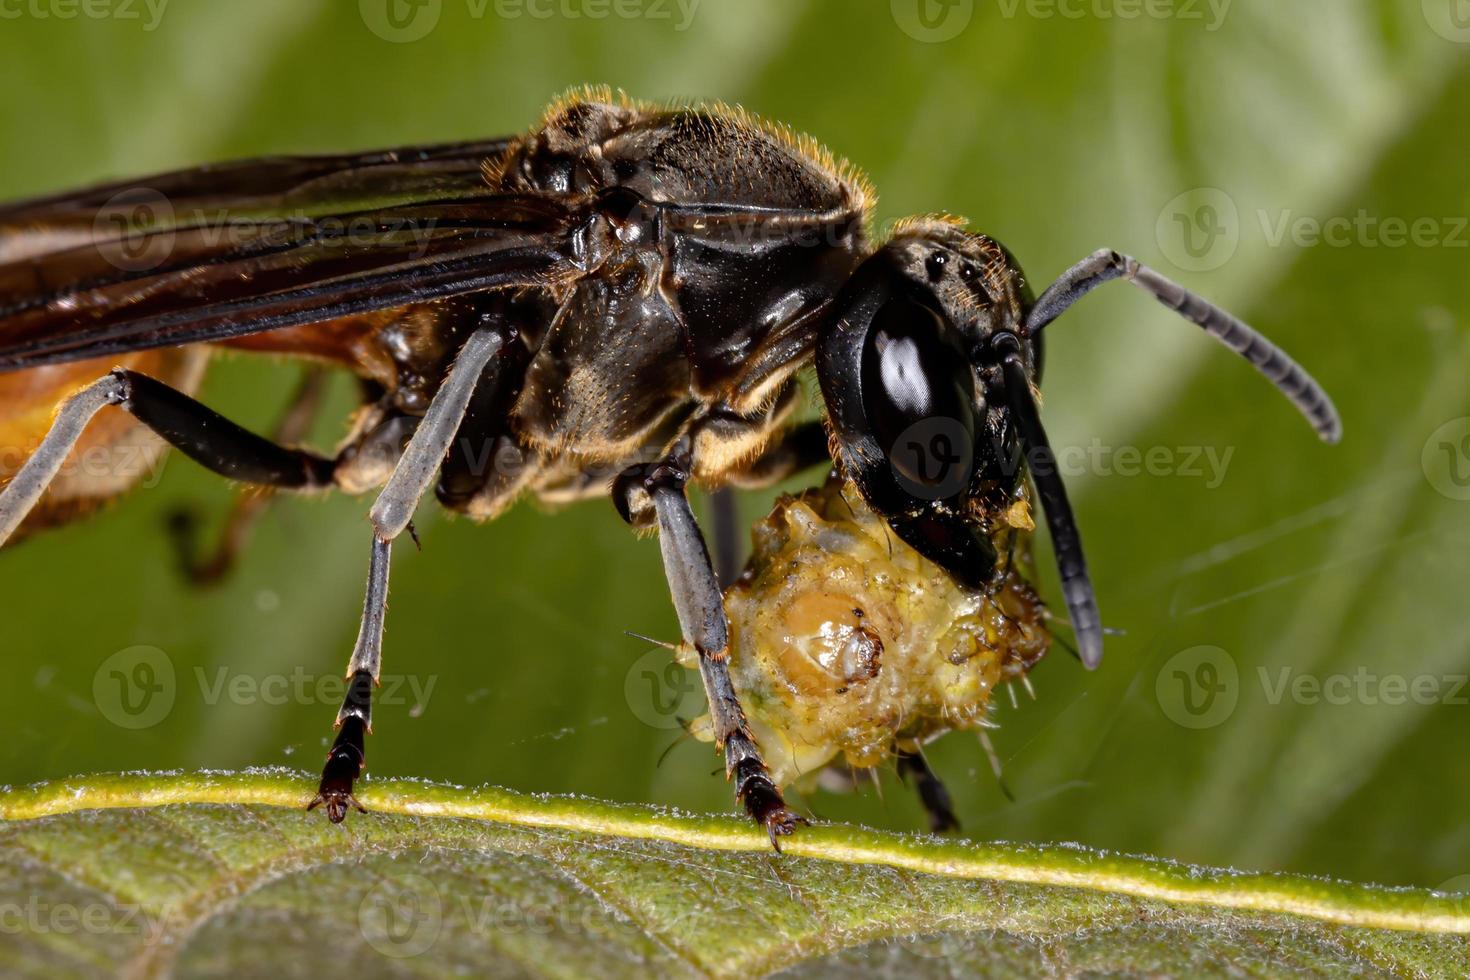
pixel 114 454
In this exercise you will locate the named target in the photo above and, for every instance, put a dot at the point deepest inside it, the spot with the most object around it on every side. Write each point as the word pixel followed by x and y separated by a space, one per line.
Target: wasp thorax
pixel 847 645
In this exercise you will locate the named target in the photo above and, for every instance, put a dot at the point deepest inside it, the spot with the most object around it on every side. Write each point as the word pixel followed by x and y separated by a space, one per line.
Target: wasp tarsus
pixel 345 762
pixel 764 803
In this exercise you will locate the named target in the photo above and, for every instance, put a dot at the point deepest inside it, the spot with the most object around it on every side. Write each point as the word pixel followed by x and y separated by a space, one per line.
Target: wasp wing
pixel 223 251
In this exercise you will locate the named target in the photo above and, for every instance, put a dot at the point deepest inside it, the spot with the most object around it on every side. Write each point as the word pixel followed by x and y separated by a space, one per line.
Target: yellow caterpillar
pixel 846 645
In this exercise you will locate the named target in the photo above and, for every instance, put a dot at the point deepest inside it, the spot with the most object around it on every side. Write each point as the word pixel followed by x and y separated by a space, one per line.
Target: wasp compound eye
pixel 919 397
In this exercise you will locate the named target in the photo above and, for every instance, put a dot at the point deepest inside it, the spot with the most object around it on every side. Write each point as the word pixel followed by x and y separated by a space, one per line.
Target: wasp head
pixel 928 365
pixel 915 391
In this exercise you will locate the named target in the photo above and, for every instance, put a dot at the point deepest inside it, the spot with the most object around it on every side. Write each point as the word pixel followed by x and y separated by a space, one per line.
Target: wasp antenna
pixel 995 766
pixel 1105 265
pixel 1065 539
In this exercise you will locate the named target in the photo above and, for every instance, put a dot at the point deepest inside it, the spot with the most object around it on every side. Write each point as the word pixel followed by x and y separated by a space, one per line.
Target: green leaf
pixel 222 874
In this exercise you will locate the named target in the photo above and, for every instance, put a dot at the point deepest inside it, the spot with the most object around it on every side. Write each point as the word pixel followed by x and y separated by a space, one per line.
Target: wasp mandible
pixel 623 297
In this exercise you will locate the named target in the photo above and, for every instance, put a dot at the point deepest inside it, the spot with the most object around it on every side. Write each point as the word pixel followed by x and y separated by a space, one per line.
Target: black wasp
pixel 619 301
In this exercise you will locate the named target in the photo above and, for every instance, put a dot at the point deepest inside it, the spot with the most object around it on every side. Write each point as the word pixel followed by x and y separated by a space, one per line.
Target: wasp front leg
pixel 701 612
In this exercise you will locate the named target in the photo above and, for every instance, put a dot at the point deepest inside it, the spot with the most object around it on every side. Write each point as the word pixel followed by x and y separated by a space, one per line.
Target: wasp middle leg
pixel 391 515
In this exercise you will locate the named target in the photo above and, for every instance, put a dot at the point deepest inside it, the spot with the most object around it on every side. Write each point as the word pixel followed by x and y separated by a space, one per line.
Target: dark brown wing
pixel 239 248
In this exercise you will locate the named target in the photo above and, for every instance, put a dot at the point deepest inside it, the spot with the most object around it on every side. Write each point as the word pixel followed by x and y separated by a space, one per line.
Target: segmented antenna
pixel 1286 374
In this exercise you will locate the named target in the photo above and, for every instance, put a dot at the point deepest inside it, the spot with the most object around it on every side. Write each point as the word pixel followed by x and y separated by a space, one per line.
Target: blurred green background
pixel 1210 142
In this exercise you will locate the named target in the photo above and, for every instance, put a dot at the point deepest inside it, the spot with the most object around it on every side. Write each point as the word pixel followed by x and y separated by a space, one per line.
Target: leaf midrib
pixel 1064 865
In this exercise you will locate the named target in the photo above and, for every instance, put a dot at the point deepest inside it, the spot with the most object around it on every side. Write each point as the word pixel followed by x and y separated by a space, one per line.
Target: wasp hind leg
pixel 199 432
pixel 347 757
pixel 224 447
pixel 647 495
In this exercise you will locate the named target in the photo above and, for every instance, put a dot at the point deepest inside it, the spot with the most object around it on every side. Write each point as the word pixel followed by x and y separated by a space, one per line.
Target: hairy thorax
pixel 712 244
